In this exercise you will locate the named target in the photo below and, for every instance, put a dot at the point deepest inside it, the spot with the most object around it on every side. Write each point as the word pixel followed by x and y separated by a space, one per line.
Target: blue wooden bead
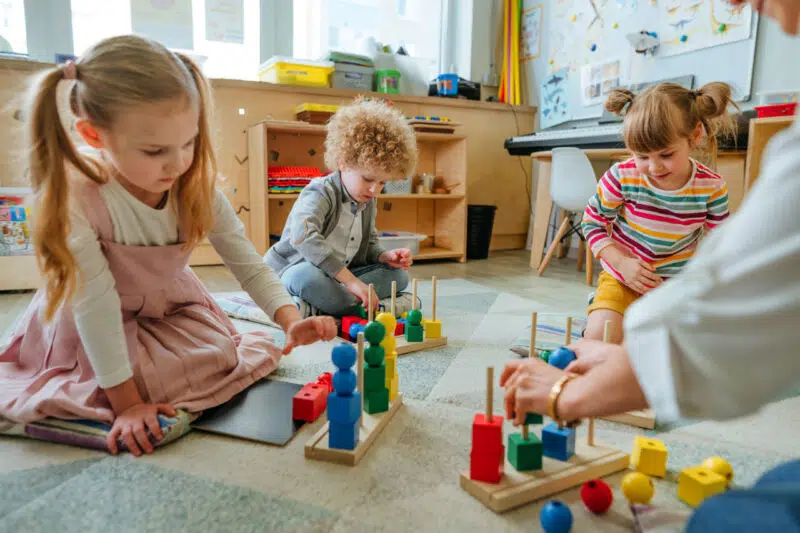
pixel 344 382
pixel 561 357
pixel 353 331
pixel 593 47
pixel 684 38
pixel 344 356
pixel 556 517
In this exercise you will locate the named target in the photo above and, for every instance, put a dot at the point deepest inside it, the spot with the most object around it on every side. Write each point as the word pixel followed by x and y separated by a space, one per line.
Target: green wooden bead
pixel 544 355
pixel 374 332
pixel 414 317
pixel 533 418
pixel 374 355
pixel 360 311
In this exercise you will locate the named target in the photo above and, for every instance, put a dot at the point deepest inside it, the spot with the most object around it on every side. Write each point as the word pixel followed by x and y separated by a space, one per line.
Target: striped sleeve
pixel 717 208
pixel 602 210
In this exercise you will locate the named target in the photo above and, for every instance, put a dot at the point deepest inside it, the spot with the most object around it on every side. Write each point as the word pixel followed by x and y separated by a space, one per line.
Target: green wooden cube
pixel 525 454
pixel 374 377
pixel 415 333
pixel 533 418
pixel 377 401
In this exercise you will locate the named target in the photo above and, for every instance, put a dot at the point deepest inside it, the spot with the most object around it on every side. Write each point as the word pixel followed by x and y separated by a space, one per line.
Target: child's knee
pixel 401 278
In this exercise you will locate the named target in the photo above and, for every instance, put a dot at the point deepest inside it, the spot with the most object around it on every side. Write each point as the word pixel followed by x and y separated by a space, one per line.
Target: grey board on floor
pixel 261 413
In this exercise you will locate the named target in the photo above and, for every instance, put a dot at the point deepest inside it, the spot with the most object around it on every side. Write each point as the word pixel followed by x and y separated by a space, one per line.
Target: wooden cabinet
pixel 442 217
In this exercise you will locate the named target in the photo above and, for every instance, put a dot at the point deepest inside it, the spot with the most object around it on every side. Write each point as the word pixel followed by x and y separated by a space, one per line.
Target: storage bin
pixel 398 186
pixel 290 71
pixel 401 239
pixel 480 222
pixel 388 81
pixel 349 76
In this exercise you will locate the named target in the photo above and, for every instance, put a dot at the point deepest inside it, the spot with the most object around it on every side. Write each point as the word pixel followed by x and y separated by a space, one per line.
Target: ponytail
pixel 50 149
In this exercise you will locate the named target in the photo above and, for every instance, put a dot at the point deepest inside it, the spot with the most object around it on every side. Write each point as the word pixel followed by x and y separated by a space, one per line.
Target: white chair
pixel 572 184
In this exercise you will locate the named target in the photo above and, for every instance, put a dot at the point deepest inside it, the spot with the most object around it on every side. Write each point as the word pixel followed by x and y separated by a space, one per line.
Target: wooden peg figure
pixel 487 458
pixel 433 327
pixel 415 331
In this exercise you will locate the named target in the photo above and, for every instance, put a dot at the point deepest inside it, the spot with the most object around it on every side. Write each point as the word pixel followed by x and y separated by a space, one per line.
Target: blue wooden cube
pixel 344 409
pixel 343 436
pixel 558 443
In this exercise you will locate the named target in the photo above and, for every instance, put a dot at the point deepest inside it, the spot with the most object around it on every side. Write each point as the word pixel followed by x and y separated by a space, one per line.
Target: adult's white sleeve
pixel 240 256
pixel 720 339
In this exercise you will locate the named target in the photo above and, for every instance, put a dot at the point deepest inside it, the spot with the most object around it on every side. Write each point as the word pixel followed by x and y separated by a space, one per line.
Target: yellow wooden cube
pixel 697 483
pixel 433 329
pixel 394 387
pixel 391 367
pixel 649 456
pixel 389 344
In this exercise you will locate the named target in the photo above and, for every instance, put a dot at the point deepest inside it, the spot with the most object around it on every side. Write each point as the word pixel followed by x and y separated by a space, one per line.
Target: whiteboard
pixel 572 28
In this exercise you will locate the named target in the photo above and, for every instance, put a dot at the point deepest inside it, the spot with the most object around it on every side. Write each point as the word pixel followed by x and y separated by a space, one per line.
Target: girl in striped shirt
pixel 650 211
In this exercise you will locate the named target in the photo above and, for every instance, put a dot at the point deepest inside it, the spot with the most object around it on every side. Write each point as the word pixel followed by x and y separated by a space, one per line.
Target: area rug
pixel 408 481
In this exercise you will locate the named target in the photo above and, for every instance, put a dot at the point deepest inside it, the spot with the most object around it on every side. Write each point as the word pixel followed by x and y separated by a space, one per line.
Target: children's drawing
pixel 689 25
pixel 554 102
pixel 531 33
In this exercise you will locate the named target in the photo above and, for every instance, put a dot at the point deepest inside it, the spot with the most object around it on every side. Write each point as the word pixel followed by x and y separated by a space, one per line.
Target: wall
pixel 493 177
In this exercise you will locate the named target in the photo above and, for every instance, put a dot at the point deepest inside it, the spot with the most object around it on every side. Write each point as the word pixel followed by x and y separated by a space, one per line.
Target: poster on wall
pixel 225 21
pixel 553 99
pixel 599 79
pixel 689 25
pixel 166 21
pixel 532 33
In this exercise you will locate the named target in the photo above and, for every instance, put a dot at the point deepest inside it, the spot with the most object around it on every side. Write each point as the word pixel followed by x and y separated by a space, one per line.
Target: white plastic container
pixel 401 239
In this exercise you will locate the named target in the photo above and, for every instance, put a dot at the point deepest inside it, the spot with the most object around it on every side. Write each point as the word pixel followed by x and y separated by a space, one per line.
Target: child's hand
pixel 360 290
pixel 639 275
pixel 399 258
pixel 309 331
pixel 131 427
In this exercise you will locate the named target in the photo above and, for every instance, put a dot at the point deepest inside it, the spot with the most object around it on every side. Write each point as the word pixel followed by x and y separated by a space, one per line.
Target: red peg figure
pixel 597 496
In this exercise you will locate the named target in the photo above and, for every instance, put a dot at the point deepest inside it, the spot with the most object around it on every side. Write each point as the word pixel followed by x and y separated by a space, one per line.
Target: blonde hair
pixel 371 135
pixel 112 76
pixel 667 112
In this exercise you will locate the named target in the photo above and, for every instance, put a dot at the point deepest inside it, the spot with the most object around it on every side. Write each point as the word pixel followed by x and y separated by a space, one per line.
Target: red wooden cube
pixel 399 328
pixel 487 467
pixel 309 403
pixel 487 436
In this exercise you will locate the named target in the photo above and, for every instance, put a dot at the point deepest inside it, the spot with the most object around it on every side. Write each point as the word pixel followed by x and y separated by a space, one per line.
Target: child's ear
pixel 89 134
pixel 697 135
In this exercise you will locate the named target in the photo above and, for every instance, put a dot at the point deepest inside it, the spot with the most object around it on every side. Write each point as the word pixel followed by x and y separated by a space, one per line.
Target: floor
pixel 410 479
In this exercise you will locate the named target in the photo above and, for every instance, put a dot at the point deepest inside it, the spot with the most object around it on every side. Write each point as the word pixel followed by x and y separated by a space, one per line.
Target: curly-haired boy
pixel 329 254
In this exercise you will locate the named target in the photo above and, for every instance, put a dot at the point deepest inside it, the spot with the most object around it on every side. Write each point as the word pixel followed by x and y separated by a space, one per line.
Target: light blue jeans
pixel 330 297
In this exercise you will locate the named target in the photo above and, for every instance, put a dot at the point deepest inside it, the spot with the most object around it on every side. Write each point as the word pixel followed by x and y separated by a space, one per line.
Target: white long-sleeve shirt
pixel 96 304
pixel 722 338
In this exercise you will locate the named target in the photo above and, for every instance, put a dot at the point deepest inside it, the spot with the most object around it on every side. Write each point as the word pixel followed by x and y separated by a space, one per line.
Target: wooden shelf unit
pixel 443 217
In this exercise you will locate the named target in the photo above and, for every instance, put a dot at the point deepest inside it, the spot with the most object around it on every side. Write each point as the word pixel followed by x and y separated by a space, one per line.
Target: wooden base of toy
pixel 641 419
pixel 404 347
pixel 518 488
pixel 317 448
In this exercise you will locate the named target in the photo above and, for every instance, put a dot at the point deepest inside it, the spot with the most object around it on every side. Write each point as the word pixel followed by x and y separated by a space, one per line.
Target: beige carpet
pixel 407 482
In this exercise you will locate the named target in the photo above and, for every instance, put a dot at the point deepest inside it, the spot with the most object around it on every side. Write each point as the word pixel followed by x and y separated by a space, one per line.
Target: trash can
pixel 480 221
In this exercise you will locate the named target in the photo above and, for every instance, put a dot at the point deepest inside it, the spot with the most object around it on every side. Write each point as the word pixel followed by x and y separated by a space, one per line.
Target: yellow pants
pixel 612 295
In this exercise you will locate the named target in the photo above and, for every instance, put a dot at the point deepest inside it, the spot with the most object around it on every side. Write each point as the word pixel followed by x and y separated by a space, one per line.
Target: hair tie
pixel 70 70
pixel 695 94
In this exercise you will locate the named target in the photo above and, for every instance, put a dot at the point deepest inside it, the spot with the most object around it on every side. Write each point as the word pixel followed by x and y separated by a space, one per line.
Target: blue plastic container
pixel 447 84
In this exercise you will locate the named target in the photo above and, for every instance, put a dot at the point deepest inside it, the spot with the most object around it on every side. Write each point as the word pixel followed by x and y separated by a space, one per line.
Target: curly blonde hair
pixel 370 135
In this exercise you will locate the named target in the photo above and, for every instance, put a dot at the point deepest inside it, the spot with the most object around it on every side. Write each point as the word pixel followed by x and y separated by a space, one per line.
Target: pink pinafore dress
pixel 182 347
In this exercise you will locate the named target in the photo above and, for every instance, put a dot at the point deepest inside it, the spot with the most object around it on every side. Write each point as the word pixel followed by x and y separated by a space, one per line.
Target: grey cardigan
pixel 312 219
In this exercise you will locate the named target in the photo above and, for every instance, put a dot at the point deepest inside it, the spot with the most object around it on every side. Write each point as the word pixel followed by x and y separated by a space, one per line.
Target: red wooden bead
pixel 597 496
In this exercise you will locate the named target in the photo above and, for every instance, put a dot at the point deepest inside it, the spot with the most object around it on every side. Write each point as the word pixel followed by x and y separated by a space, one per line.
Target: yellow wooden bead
pixel 574 18
pixel 721 467
pixel 388 321
pixel 615 25
pixel 637 488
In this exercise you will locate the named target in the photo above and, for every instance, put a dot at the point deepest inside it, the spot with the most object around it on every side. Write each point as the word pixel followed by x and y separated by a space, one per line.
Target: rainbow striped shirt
pixel 661 227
